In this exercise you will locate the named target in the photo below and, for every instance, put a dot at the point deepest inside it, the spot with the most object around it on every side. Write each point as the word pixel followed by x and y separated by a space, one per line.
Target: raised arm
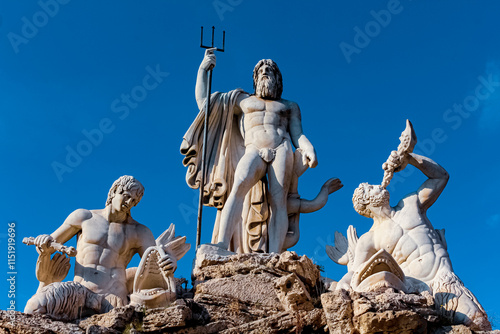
pixel 430 190
pixel 299 140
pixel 207 64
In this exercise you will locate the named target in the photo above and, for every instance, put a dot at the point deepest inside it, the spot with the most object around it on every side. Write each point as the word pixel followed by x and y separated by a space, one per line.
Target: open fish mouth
pixel 151 292
pixel 152 287
pixel 380 271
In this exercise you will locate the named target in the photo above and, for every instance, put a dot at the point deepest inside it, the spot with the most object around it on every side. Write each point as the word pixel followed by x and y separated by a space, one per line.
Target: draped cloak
pixel 225 148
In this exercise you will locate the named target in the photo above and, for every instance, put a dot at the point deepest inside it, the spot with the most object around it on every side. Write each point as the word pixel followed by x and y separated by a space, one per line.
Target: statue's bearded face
pixel 267 80
pixel 366 196
pixel 266 83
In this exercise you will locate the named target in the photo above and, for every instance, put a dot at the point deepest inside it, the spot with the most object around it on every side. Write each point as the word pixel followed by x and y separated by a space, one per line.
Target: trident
pixel 205 132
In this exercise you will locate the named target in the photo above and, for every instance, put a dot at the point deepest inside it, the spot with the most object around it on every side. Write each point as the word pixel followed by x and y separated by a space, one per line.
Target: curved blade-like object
pixel 380 271
pixel 407 142
pixel 408 139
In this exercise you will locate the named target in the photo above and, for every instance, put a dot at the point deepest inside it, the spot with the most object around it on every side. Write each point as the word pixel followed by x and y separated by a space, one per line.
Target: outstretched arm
pixel 430 190
pixel 299 140
pixel 301 205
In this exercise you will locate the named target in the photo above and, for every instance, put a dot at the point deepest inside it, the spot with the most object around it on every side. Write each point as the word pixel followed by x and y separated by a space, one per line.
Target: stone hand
pixel 309 158
pixel 168 264
pixel 42 242
pixel 209 60
pixel 332 185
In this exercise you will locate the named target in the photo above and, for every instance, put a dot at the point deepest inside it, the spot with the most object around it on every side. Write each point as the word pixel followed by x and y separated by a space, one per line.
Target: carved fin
pixel 343 250
pixel 177 247
pixel 173 245
pixel 440 233
pixel 352 238
pixel 339 251
pixel 166 236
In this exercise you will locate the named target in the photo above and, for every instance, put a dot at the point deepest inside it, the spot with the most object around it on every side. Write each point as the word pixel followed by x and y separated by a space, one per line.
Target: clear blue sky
pixel 63 75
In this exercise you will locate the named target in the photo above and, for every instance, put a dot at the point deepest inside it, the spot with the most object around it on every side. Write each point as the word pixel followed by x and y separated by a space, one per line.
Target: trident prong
pixel 213 40
pixel 205 131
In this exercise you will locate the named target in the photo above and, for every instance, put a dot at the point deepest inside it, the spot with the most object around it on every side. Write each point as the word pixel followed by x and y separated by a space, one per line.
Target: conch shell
pixel 407 142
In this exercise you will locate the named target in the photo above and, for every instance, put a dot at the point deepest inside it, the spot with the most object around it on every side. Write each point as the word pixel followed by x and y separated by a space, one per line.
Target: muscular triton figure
pixel 267 123
pixel 107 241
pixel 405 232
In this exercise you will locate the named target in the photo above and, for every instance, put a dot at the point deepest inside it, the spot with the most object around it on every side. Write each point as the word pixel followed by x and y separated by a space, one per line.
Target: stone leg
pixel 251 168
pixel 279 177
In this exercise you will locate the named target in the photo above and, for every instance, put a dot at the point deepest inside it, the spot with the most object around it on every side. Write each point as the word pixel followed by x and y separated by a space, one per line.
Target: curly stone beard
pixel 361 200
pixel 380 199
pixel 267 88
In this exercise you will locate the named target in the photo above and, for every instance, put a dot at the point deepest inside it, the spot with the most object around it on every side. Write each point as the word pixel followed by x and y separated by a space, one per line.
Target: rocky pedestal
pixel 385 311
pixel 258 293
pixel 268 293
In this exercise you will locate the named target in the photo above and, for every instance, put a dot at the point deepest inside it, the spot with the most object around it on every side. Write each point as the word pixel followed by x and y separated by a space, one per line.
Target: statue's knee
pixel 34 306
pixel 242 185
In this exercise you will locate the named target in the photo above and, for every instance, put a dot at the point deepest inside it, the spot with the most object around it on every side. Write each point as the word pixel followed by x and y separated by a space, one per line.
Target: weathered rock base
pixel 385 311
pixel 258 293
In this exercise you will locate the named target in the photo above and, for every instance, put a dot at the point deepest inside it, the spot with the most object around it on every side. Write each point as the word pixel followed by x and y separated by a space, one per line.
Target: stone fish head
pixel 380 271
pixel 152 287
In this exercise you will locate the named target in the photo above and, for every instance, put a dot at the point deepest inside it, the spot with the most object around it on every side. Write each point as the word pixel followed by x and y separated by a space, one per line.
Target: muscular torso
pixel 104 251
pixel 412 241
pixel 264 123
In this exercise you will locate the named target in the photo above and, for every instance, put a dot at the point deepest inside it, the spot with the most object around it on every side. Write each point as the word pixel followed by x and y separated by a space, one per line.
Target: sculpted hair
pixel 361 200
pixel 277 72
pixel 126 182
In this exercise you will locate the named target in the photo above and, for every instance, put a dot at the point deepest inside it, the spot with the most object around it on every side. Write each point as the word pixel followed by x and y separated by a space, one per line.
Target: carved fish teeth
pixel 152 292
pixel 369 270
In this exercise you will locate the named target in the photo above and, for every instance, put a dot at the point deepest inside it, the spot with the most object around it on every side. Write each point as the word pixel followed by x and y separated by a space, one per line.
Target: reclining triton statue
pixel 107 241
pixel 402 250
pixel 250 136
